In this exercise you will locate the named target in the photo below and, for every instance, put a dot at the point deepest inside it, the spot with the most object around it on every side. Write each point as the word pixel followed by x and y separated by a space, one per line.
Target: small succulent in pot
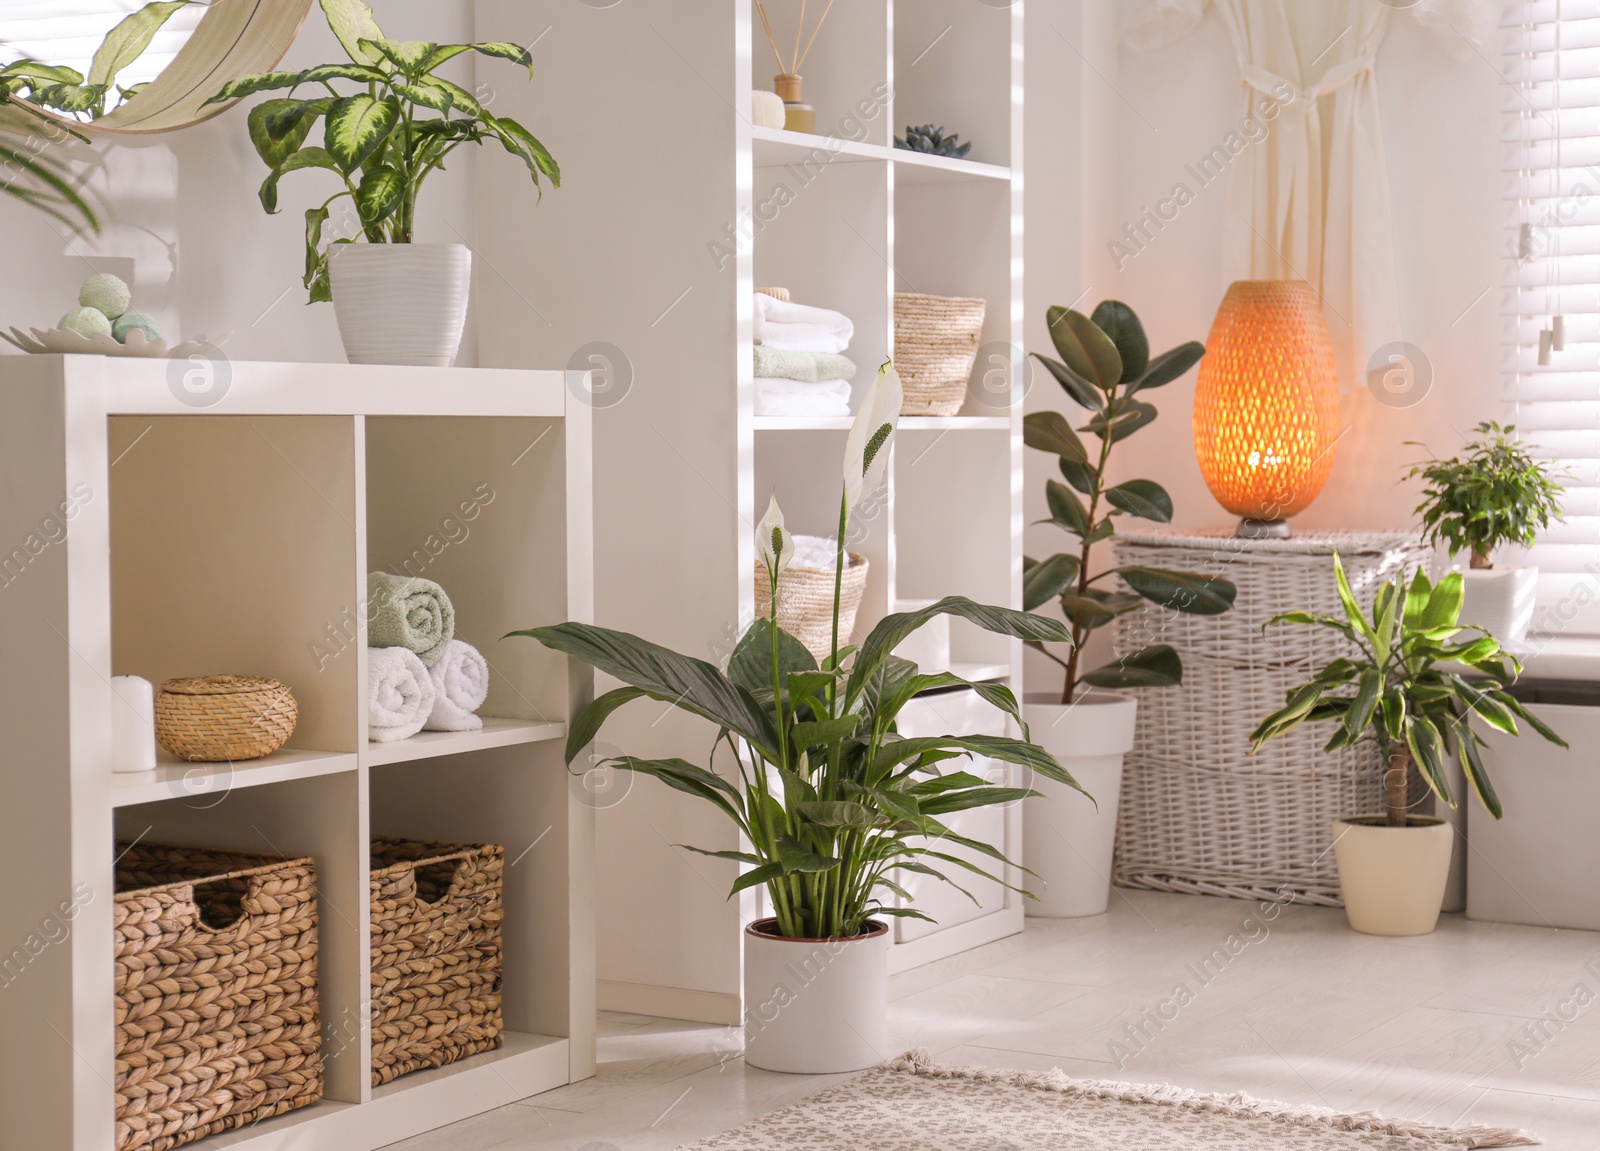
pixel 932 141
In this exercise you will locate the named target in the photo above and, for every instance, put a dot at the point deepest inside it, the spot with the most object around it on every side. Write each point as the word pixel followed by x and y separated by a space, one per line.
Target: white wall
pixel 183 220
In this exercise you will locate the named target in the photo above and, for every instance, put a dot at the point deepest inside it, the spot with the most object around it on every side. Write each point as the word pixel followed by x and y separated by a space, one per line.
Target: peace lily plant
pixel 834 807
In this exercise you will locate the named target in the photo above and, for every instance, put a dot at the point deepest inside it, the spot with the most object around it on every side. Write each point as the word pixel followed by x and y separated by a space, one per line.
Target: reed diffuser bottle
pixel 798 115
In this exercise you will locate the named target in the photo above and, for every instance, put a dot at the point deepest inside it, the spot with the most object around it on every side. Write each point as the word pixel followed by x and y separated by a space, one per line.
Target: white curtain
pixel 1311 199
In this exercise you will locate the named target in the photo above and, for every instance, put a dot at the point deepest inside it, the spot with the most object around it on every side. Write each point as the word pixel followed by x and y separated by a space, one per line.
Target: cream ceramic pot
pixel 1393 878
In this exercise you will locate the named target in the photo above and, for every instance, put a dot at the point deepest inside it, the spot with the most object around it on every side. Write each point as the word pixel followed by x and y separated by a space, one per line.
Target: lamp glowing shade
pixel 1266 407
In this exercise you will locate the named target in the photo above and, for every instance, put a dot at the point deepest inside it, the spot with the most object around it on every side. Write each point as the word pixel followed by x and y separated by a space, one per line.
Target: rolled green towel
pixel 811 367
pixel 403 611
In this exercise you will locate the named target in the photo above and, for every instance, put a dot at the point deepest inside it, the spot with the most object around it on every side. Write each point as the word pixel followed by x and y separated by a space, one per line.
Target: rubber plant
pixel 1494 493
pixel 831 799
pixel 384 138
pixel 1104 367
pixel 1412 685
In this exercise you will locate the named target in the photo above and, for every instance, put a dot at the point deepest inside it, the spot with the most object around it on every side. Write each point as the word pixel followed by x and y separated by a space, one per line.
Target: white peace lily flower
pixel 774 540
pixel 866 452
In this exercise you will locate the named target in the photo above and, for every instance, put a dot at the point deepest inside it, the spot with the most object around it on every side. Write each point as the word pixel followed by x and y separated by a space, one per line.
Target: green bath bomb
pixel 135 322
pixel 86 322
pixel 105 293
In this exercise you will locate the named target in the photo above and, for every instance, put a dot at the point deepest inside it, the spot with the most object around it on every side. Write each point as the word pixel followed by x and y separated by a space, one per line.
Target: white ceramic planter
pixel 401 303
pixel 1393 878
pixel 1067 840
pixel 815 1006
pixel 1500 600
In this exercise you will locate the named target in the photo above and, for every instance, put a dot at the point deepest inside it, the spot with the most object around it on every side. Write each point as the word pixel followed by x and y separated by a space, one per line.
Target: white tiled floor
pixel 1304 1010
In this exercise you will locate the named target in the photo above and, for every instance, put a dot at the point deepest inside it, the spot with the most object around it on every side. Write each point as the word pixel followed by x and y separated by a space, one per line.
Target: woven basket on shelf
pixel 775 293
pixel 210 719
pixel 805 602
pixel 935 346
pixel 436 962
pixel 215 992
pixel 1199 813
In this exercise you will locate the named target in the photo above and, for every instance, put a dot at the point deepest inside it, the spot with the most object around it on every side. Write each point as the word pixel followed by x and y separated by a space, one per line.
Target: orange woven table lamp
pixel 1266 407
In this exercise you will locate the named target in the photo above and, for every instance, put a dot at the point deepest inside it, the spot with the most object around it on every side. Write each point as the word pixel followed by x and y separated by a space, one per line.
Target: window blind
pixel 1551 133
pixel 67 32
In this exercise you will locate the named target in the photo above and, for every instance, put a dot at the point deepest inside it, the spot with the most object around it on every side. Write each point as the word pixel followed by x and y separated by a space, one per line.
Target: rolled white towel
pixel 799 327
pixel 400 694
pixel 461 684
pixel 780 397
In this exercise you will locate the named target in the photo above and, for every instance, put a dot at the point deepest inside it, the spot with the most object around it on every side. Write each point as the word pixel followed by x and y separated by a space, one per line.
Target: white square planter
pixel 1538 864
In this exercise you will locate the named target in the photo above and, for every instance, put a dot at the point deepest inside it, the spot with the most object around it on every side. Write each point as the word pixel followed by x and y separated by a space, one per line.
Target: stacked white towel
pixel 461 684
pixel 400 694
pixel 787 326
pixel 779 397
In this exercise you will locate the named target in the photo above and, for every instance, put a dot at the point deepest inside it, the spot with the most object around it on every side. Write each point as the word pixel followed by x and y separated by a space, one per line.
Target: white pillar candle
pixel 133 724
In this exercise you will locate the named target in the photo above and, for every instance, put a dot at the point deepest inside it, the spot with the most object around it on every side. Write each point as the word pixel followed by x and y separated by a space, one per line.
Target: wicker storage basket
pixel 224 717
pixel 436 962
pixel 935 346
pixel 216 992
pixel 1199 813
pixel 805 602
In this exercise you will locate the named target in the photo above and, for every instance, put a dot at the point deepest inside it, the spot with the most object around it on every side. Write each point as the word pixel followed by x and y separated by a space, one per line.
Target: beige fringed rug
pixel 913 1104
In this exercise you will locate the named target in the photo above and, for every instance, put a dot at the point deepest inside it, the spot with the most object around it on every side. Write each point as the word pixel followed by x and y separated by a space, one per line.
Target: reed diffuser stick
pixel 798 29
pixel 770 39
pixel 813 39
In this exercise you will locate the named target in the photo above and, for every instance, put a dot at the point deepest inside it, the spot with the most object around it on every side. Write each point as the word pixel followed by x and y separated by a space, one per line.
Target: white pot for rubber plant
pixel 815 1006
pixel 1068 839
pixel 1500 600
pixel 401 303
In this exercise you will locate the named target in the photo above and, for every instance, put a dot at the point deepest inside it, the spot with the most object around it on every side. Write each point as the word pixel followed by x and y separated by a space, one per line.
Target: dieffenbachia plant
pixel 1105 363
pixel 831 799
pixel 384 138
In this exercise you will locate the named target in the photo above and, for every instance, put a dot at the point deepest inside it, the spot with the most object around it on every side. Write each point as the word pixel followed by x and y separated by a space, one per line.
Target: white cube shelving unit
pixel 231 532
pixel 673 209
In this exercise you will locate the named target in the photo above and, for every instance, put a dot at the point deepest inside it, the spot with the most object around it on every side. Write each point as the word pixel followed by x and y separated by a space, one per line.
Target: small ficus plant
pixel 1493 493
pixel 1105 363
pixel 381 140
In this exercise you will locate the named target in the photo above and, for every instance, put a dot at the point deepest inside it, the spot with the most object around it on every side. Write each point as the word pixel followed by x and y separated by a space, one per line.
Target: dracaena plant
pixel 1412 685
pixel 29 172
pixel 1493 493
pixel 382 139
pixel 833 802
pixel 1105 364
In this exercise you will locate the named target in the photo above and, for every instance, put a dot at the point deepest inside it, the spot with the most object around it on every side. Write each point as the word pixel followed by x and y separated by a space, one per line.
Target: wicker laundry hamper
pixel 215 991
pixel 436 958
pixel 935 345
pixel 1199 813
pixel 805 602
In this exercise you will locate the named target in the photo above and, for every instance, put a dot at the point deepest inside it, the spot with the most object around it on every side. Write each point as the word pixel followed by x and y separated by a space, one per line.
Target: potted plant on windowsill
pixel 1105 363
pixel 1494 493
pixel 830 799
pixel 1400 687
pixel 396 301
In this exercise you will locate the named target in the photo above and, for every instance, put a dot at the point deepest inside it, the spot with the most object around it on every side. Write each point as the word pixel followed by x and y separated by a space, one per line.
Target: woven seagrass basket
pixel 210 719
pixel 215 992
pixel 1199 813
pixel 436 961
pixel 805 602
pixel 935 346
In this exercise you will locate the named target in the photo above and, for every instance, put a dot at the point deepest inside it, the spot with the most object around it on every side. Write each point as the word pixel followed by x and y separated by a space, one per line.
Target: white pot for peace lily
pixel 1500 600
pixel 1392 878
pixel 815 1006
pixel 1067 839
pixel 401 303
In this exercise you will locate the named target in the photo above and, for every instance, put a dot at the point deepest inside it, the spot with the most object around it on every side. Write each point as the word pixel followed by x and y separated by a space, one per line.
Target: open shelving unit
pixel 232 531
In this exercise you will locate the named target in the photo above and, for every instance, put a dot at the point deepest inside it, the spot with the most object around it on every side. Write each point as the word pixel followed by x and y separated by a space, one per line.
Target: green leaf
pixel 1050 432
pixel 1118 321
pixel 1365 704
pixel 1083 393
pixel 586 726
pixel 1477 776
pixel 409 56
pixel 1043 582
pixel 1496 714
pixel 315 260
pixel 1156 666
pixel 429 96
pixel 1066 509
pixel 1129 417
pixel 460 99
pixel 360 73
pixel 1002 748
pixel 1352 609
pixel 1080 475
pixel 1444 604
pixel 766 873
pixel 1188 592
pixel 258 82
pixel 794 857
pixel 516 53
pixel 126 42
pixel 1168 367
pixel 1417 597
pixel 824 732
pixel 288 117
pixel 379 194
pixel 1084 348
pixel 38 70
pixel 304 158
pixel 357 126
pixel 352 22
pixel 1530 719
pixel 691 779
pixel 275 149
pixel 750 666
pixel 837 813
pixel 735 856
pixel 1427 750
pixel 1086 612
pixel 521 142
pixel 1143 498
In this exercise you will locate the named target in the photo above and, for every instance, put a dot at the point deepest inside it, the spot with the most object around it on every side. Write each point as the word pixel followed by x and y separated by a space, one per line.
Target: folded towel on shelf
pixel 813 367
pixel 403 611
pixel 400 694
pixel 799 327
pixel 460 685
pixel 780 397
pixel 814 552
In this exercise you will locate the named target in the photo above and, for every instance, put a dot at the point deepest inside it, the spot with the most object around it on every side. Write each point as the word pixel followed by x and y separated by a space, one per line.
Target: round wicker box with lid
pixel 210 719
pixel 1199 814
